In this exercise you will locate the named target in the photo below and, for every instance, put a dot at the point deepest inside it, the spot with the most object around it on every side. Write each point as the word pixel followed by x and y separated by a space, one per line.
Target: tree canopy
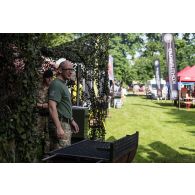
pixel 134 54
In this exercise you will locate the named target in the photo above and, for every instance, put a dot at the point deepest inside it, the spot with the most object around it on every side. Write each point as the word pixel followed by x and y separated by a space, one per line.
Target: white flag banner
pixel 158 77
pixel 171 64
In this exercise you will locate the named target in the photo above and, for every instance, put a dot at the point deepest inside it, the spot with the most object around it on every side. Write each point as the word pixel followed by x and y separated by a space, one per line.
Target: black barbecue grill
pixel 122 150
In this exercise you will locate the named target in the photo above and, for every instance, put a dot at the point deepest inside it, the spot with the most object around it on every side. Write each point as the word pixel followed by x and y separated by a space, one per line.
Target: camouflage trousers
pixel 43 133
pixel 57 143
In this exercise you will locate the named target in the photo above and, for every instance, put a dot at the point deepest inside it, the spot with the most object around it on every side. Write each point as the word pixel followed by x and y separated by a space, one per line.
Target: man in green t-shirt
pixel 60 108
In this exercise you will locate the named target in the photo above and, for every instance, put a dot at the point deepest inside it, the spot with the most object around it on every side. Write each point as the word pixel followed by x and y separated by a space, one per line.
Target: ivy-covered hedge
pixel 20 58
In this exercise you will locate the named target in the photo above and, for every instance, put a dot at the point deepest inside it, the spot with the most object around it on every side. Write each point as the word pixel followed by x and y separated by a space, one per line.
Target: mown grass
pixel 166 134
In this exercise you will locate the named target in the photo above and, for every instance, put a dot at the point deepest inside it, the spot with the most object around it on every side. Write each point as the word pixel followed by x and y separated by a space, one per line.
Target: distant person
pixel 123 94
pixel 165 92
pixel 136 89
pixel 60 108
pixel 184 91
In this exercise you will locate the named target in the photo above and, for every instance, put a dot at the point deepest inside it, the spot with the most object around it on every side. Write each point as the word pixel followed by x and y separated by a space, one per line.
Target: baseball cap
pixel 58 62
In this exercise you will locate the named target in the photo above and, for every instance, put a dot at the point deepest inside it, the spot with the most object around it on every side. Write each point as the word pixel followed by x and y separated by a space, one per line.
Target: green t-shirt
pixel 58 92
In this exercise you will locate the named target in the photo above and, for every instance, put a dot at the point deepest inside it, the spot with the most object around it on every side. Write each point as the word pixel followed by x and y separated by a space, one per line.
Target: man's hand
pixel 75 126
pixel 60 133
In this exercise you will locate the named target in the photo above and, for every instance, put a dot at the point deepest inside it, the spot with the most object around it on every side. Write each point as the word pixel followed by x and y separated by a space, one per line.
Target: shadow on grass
pixel 183 116
pixel 192 132
pixel 158 152
pixel 131 94
pixel 145 105
pixel 111 138
pixel 180 116
pixel 136 95
pixel 167 104
pixel 188 149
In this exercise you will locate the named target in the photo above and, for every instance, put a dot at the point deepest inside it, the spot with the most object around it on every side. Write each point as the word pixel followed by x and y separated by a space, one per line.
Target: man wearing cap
pixel 60 108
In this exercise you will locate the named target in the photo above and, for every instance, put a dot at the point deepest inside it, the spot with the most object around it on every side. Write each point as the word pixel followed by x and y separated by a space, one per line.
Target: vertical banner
pixel 158 77
pixel 110 68
pixel 171 64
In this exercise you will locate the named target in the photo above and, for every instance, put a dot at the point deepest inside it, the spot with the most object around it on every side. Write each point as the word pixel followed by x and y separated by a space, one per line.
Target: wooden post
pixel 78 83
pixel 179 91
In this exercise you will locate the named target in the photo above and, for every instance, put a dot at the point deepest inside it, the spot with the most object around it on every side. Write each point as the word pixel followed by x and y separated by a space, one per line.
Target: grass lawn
pixel 166 134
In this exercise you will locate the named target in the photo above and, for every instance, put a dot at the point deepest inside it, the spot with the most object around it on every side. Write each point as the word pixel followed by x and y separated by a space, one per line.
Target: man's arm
pixel 75 126
pixel 54 115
